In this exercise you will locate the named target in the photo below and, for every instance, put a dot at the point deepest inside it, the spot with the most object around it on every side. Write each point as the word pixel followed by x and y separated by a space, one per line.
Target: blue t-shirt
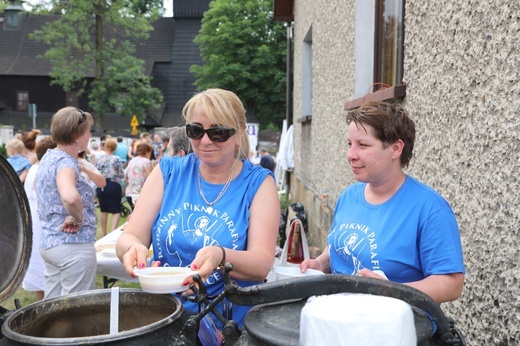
pixel 409 237
pixel 121 151
pixel 50 207
pixel 185 224
pixel 19 163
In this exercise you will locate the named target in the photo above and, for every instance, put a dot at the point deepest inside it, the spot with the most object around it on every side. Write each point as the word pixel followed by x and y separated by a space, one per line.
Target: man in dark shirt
pixel 266 160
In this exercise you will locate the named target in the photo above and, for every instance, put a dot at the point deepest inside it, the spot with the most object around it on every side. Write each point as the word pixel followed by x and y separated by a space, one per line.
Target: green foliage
pixel 245 51
pixel 3 150
pixel 3 5
pixel 93 39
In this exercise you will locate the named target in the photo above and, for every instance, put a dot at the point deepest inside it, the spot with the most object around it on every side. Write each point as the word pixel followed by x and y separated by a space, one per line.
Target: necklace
pixel 209 209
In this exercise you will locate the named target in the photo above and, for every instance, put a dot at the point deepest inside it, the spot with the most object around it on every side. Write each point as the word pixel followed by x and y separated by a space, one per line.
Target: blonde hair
pixel 111 145
pixel 16 146
pixel 224 108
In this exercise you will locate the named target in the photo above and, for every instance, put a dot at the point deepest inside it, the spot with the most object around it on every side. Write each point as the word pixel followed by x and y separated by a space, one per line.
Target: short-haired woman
pixel 66 207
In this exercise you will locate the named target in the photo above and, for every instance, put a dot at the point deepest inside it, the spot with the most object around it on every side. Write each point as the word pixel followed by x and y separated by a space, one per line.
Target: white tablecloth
pixel 107 262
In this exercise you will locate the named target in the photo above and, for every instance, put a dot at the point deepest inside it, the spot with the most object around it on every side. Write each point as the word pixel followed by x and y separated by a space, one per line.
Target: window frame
pixel 22 105
pixel 382 48
pixel 307 101
pixel 378 90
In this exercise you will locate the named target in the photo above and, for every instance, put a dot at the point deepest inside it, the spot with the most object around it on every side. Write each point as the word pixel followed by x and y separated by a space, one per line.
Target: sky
pixel 168 5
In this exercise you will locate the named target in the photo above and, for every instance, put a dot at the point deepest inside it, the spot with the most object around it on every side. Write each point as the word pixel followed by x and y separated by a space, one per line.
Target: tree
pixel 95 38
pixel 3 5
pixel 244 51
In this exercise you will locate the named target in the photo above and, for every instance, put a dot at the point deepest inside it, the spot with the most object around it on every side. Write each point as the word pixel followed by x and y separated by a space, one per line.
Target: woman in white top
pixel 138 169
pixel 34 280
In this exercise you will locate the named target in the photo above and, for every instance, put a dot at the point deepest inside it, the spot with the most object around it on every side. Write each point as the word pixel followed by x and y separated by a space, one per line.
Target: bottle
pixel 295 245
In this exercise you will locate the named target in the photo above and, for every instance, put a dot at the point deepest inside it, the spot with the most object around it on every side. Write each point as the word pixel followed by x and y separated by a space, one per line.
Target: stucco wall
pixel 320 146
pixel 462 69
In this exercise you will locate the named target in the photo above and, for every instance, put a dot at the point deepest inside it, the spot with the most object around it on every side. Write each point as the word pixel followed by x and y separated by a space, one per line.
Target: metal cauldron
pixel 84 318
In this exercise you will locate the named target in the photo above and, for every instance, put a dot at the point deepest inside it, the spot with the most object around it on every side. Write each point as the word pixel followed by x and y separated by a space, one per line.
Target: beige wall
pixel 462 69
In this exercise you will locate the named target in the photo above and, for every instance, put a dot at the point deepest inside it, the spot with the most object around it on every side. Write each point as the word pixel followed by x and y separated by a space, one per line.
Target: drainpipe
pixel 288 84
pixel 288 97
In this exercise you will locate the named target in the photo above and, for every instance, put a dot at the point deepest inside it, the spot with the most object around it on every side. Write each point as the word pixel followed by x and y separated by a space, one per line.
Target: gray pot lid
pixel 15 231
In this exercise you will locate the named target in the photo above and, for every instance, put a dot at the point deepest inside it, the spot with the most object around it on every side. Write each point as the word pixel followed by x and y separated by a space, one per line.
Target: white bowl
pixel 163 279
pixel 283 273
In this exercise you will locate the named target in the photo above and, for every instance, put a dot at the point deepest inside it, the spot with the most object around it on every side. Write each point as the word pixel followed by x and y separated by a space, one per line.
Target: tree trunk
pixel 99 60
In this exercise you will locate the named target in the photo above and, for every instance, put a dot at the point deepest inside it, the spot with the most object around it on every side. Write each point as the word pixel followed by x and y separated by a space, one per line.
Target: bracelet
pixel 223 262
pixel 74 222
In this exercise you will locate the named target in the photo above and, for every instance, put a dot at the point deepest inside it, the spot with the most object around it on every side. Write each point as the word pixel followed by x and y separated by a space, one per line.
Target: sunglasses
pixel 216 133
pixel 83 117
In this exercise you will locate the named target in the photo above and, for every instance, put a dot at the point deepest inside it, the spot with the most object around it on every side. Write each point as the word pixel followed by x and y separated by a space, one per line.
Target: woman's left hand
pixel 70 225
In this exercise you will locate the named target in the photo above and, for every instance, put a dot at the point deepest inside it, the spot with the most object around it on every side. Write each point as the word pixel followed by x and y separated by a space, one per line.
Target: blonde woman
pixel 209 206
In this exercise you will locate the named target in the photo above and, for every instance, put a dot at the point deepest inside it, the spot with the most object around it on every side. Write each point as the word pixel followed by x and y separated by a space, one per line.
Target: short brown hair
pixel 69 123
pixel 43 145
pixel 143 148
pixel 390 122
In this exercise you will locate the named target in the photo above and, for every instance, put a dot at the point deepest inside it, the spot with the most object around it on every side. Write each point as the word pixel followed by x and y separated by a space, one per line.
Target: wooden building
pixel 24 78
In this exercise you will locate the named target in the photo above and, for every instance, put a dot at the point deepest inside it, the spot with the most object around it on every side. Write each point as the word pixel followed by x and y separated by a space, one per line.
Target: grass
pixel 25 297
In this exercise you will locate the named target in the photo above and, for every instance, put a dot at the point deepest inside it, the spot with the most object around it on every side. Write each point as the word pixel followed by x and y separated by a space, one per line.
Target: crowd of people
pixel 79 174
pixel 202 202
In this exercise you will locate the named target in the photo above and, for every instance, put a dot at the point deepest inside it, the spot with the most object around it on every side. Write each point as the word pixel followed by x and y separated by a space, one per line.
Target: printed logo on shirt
pixel 356 245
pixel 201 225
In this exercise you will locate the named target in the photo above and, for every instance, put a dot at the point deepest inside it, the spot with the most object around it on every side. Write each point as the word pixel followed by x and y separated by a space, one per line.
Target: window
pixel 22 100
pixel 307 77
pixel 379 64
pixel 389 37
pixel 72 99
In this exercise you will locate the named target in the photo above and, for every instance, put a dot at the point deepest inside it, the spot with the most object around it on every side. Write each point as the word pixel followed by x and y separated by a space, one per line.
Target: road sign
pixel 134 121
pixel 32 110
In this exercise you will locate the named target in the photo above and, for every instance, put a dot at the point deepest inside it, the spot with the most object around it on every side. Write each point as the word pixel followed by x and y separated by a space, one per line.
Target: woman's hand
pixel 135 256
pixel 321 263
pixel 312 264
pixel 206 261
pixel 70 225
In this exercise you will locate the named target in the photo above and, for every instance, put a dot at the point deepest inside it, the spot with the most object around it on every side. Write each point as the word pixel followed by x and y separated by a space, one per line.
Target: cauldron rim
pixel 10 334
pixel 16 229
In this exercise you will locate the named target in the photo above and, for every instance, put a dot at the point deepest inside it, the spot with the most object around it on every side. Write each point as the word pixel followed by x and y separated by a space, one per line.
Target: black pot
pixel 84 318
